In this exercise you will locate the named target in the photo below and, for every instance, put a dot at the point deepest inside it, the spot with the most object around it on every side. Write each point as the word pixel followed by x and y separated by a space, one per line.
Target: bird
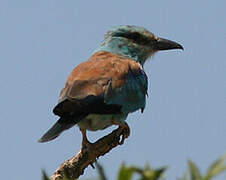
pixel 102 91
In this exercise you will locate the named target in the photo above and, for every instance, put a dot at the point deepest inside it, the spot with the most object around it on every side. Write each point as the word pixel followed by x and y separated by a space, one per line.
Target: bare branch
pixel 75 166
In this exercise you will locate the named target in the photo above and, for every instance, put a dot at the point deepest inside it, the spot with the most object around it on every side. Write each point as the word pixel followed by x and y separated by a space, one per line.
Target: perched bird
pixel 103 90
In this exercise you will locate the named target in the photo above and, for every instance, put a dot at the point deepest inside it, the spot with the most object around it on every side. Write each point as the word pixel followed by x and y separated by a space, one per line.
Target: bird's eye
pixel 135 37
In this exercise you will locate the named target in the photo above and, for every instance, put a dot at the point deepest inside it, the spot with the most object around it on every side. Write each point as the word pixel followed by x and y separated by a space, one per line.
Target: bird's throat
pixel 126 49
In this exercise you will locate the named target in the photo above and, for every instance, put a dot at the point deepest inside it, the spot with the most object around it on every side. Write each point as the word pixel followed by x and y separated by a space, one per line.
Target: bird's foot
pixel 124 131
pixel 86 144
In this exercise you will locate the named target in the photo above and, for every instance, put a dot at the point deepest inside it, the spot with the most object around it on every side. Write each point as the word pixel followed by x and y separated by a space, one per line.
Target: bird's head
pixel 135 42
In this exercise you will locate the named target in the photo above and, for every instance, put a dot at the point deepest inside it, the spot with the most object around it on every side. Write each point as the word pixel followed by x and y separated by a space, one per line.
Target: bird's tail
pixel 56 130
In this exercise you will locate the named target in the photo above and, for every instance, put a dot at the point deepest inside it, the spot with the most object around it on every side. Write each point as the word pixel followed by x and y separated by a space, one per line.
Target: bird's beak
pixel 165 44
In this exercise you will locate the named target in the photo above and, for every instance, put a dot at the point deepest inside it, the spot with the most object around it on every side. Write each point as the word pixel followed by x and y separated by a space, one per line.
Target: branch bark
pixel 75 166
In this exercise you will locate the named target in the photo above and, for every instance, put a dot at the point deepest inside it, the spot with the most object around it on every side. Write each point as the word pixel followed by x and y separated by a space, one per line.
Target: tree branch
pixel 75 166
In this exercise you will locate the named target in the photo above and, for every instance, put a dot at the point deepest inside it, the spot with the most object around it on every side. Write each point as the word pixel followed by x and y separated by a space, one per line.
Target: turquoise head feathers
pixel 135 42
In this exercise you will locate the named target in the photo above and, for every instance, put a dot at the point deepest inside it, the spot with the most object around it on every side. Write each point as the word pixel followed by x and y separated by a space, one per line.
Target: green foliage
pixel 214 170
pixel 44 175
pixel 148 173
pixel 194 171
pixel 100 171
pixel 126 173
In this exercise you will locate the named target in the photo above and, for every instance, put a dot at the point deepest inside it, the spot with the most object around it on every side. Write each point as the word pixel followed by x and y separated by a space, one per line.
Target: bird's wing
pixel 104 84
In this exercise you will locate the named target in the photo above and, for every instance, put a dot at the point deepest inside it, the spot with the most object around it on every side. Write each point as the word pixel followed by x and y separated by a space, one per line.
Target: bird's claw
pixel 124 133
pixel 86 145
pixel 91 164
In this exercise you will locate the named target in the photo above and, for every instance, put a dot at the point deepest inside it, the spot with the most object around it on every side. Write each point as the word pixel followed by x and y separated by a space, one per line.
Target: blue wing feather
pixel 132 95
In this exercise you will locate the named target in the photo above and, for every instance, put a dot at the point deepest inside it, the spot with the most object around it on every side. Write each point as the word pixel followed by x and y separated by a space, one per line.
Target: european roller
pixel 102 91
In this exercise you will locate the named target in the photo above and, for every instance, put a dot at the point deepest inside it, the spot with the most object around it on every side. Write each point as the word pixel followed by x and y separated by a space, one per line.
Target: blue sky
pixel 43 40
